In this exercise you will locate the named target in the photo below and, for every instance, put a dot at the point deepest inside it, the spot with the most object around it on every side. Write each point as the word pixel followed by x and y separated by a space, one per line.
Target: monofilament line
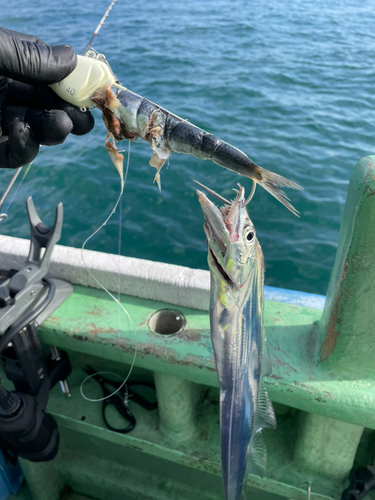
pixel 123 181
pixel 105 397
pixel 107 291
pixel 97 29
pixel 4 215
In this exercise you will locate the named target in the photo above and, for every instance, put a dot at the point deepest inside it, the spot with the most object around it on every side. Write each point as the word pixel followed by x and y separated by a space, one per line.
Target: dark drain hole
pixel 166 322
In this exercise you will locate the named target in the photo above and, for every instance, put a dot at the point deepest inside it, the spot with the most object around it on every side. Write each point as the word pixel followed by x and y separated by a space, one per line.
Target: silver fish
pixel 129 116
pixel 236 264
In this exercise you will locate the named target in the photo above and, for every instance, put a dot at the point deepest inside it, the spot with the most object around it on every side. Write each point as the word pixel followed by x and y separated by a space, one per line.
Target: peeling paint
pixel 96 311
pixel 331 334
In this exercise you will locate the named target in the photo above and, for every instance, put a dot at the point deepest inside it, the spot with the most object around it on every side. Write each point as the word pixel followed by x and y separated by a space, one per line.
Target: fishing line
pixel 120 235
pixel 119 253
pixel 105 397
pixel 117 300
pixel 102 21
pixel 4 215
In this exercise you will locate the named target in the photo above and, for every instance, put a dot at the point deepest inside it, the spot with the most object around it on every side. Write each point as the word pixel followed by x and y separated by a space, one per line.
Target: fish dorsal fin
pixel 264 419
pixel 265 414
pixel 257 455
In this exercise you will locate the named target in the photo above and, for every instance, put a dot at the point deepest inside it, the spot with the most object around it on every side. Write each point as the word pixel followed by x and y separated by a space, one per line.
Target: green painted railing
pixel 323 384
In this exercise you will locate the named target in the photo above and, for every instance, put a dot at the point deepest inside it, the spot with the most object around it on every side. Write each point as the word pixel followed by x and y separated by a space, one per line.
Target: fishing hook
pixel 250 197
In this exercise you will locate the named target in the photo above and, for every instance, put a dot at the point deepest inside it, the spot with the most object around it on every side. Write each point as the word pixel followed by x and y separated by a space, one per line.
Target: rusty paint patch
pixel 310 390
pixel 190 335
pixel 370 191
pixel 54 319
pixel 94 330
pixel 284 363
pixel 367 168
pixel 96 311
pixel 168 355
pixel 330 340
pixel 278 348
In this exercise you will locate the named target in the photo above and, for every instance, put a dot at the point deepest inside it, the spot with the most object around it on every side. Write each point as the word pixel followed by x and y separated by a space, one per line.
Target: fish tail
pixel 272 183
pixel 229 157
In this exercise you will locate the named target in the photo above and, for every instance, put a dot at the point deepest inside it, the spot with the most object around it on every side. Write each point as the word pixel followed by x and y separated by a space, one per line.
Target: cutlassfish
pixel 128 116
pixel 236 264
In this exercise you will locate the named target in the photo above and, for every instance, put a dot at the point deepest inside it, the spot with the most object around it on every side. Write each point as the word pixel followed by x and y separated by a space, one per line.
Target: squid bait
pixel 236 265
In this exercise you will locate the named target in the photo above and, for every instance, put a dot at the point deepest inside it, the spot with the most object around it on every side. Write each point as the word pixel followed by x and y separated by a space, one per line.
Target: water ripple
pixel 289 83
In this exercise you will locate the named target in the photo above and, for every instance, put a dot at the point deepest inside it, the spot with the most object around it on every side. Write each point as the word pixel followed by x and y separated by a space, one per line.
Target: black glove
pixel 30 112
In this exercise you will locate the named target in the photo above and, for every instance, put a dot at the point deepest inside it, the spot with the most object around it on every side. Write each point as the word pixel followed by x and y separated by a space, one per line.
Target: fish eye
pixel 249 235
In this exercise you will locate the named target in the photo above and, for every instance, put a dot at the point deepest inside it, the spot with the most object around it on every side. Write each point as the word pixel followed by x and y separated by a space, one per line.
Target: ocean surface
pixel 292 84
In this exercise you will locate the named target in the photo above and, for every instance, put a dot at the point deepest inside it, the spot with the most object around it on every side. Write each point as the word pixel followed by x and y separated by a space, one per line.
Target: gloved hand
pixel 30 112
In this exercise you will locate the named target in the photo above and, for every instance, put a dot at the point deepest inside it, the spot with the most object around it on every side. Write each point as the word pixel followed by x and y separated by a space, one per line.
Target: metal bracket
pixel 26 289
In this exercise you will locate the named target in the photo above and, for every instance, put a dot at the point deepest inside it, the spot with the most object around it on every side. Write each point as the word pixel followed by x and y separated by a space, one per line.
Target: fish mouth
pixel 219 267
pixel 215 227
pixel 216 231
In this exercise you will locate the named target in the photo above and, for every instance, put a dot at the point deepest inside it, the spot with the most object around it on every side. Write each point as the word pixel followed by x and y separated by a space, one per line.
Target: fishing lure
pixel 236 265
pixel 128 115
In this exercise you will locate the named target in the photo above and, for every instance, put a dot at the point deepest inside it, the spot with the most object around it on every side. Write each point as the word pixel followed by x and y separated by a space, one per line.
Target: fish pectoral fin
pixel 265 415
pixel 257 455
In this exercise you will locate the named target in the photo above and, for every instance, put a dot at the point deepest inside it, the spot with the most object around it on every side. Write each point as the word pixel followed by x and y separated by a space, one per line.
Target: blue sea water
pixel 292 84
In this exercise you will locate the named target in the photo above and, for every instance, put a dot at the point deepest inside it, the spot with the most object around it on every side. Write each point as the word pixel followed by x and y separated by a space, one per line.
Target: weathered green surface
pixel 24 494
pixel 323 376
pixel 326 446
pixel 348 323
pixel 177 404
pixel 148 464
pixel 44 480
pixel 90 322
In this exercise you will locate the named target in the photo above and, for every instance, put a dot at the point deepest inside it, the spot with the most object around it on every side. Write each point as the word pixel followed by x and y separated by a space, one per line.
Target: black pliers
pixel 120 399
